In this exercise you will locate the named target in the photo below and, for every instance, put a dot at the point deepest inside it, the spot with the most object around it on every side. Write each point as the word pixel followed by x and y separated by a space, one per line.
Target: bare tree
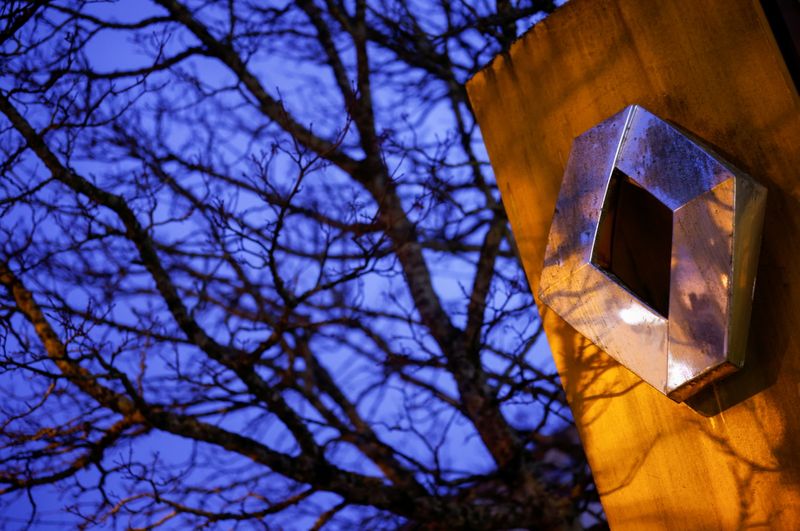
pixel 257 273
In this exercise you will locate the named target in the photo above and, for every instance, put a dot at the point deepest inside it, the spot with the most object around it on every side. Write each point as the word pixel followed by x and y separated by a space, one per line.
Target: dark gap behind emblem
pixel 634 241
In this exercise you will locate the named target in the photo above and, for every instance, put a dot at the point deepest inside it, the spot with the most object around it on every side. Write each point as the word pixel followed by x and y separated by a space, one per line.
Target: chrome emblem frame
pixel 717 214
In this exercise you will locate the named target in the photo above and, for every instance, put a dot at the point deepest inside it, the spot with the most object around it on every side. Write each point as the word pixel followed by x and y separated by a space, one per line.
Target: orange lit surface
pixel 730 458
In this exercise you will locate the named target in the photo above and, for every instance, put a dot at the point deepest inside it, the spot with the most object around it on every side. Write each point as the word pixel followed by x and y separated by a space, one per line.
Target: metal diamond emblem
pixel 653 251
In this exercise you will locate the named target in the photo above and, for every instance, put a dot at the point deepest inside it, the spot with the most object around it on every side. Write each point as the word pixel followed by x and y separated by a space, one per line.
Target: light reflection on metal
pixel 667 294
